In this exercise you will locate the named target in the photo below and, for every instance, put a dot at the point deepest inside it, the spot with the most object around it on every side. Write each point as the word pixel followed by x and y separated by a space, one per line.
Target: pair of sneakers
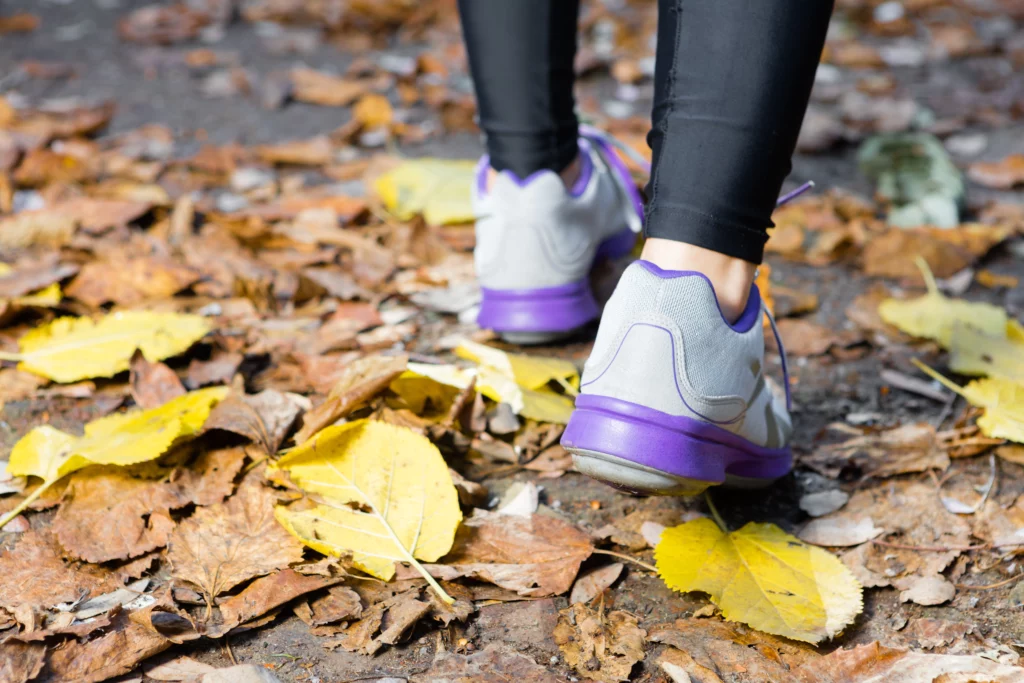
pixel 673 398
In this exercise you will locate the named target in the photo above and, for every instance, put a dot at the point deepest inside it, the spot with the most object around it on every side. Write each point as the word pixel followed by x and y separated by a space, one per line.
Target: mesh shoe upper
pixel 664 344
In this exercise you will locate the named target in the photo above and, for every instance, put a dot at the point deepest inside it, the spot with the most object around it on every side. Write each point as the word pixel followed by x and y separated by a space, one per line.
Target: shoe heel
pixel 645 451
pixel 538 315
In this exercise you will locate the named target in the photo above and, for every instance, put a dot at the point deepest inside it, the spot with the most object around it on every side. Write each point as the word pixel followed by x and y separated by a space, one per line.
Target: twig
pixel 254 464
pixel 231 655
pixel 714 513
pixel 913 384
pixel 940 548
pixel 648 567
pixel 990 586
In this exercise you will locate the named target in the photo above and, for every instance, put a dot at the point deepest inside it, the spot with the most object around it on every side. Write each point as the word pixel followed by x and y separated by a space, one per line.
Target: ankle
pixel 731 277
pixel 569 175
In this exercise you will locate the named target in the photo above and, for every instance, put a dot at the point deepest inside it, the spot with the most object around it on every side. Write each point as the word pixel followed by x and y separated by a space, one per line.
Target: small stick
pixel 990 586
pixel 648 567
pixel 714 513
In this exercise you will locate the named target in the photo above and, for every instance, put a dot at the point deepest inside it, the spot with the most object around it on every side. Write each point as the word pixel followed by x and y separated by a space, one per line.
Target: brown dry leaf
pixel 223 545
pixel 317 87
pixel 19 23
pixel 876 663
pixel 932 633
pixel 908 448
pixel 33 277
pixel 712 650
pixel 107 514
pixel 1004 174
pixel 373 111
pixel 36 576
pixel 391 611
pixel 221 367
pixel 162 25
pixel 1010 453
pixel 210 478
pixel 16 385
pixel 152 384
pixel 603 647
pixel 43 166
pixel 595 582
pixel 947 252
pixel 804 338
pixel 20 662
pixel 36 228
pixel 264 418
pixel 263 595
pixel 316 151
pixel 120 648
pixel 986 278
pixel 130 280
pixel 1003 526
pixel 359 382
pixel 495 663
pixel 340 604
pixel 536 556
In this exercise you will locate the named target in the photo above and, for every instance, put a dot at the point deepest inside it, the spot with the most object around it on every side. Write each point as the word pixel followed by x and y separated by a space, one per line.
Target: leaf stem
pixel 714 513
pixel 31 498
pixel 648 567
pixel 16 357
pixel 926 273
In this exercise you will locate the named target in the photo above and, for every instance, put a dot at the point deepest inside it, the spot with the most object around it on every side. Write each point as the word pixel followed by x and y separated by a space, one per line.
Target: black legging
pixel 731 86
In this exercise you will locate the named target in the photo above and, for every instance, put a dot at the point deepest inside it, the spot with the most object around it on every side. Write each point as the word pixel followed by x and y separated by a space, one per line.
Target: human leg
pixel 674 396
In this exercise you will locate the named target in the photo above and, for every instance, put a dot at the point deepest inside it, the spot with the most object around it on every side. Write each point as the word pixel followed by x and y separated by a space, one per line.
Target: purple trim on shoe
pixel 675 374
pixel 577 189
pixel 751 313
pixel 785 365
pixel 618 245
pixel 546 309
pixel 609 154
pixel 678 445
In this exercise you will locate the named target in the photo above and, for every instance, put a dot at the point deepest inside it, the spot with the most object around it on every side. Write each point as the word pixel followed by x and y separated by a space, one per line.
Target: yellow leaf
pixel 47 297
pixel 424 384
pixel 1002 399
pixel 522 381
pixel 934 315
pixel 976 353
pixel 438 188
pixel 73 349
pixel 118 439
pixel 386 496
pixel 763 577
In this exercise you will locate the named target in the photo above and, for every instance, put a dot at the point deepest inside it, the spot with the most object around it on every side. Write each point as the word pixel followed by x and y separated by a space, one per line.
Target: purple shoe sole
pixel 549 310
pixel 646 451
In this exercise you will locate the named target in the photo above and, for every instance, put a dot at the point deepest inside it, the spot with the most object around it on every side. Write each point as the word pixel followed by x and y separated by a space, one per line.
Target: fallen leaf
pixel 162 25
pixel 19 23
pixel 595 582
pixel 875 663
pixel 805 338
pixel 316 151
pixel 20 662
pixel 373 111
pixel 929 590
pixel 437 188
pixel 975 353
pixel 152 384
pixel 840 532
pixel 986 278
pixel 823 502
pixel 119 439
pixel 359 381
pixel 36 576
pixel 72 349
pixel 263 595
pixel 713 650
pixel 129 281
pixel 933 316
pixel 602 647
pixel 389 497
pixel 210 478
pixel 908 448
pixel 1004 174
pixel 16 283
pixel 118 650
pixel 223 545
pixel 317 87
pixel 221 367
pixel 932 633
pixel 108 602
pixel 106 514
pixel 535 556
pixel 265 418
pixel 761 576
pixel 179 669
pixel 1003 401
pixel 340 604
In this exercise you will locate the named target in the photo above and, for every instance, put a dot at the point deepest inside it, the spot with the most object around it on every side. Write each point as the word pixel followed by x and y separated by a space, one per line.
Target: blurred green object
pixel 915 177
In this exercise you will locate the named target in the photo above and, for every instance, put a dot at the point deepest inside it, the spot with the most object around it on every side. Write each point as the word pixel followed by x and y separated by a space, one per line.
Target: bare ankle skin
pixel 570 174
pixel 730 276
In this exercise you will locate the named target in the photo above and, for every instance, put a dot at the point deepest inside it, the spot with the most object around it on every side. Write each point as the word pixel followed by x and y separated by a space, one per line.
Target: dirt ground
pixel 150 85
